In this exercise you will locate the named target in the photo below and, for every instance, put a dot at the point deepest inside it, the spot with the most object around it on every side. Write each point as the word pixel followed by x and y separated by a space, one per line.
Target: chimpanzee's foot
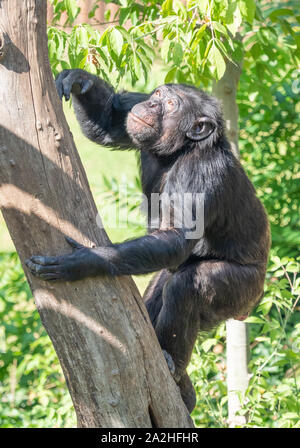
pixel 170 363
pixel 184 383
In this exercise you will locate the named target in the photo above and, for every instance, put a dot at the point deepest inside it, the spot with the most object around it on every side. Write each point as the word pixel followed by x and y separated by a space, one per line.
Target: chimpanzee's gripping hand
pixel 75 81
pixel 83 262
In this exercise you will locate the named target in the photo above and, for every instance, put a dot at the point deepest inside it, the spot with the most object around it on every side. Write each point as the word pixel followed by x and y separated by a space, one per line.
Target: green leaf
pixel 145 64
pixel 247 8
pixel 72 9
pixel 233 18
pixel 197 37
pixel 260 70
pixel 207 345
pixel 104 38
pixel 102 54
pixel 256 51
pixel 149 52
pixel 124 15
pixel 280 12
pixel 292 266
pixel 170 75
pixel 258 13
pixel 83 63
pixel 297 40
pixel 265 307
pixel 291 415
pixel 255 320
pixel 167 8
pixel 218 64
pixel 181 77
pixel 116 40
pixel 177 53
pixel 203 5
pixel 222 47
pixel 164 51
pixel 208 47
pixel 125 33
pixel 93 11
pixel 219 27
pixel 83 36
pixel 107 15
pixel 136 66
pixel 134 15
pixel 51 49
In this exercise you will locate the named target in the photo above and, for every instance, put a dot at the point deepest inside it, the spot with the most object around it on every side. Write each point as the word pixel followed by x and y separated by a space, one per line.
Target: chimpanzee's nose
pixel 147 107
pixel 154 104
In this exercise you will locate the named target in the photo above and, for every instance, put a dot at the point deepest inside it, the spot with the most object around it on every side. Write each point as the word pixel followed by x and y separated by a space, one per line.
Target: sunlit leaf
pixel 216 59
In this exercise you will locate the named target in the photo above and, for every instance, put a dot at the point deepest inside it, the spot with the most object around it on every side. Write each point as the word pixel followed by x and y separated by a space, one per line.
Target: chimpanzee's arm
pixel 100 111
pixel 150 253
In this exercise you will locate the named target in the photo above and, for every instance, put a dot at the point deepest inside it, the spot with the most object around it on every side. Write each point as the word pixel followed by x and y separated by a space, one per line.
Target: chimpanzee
pixel 203 278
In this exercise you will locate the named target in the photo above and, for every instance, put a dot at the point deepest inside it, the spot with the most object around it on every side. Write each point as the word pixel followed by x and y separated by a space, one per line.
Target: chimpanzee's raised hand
pixel 75 81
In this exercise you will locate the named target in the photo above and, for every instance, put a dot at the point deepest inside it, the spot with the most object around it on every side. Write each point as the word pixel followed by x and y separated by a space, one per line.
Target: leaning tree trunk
pixel 237 345
pixel 100 329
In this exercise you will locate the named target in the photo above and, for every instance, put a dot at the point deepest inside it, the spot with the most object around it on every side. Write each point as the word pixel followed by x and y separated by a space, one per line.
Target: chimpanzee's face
pixel 173 115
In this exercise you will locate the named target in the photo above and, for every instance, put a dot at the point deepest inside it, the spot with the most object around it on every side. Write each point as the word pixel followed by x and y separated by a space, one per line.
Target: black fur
pixel 200 282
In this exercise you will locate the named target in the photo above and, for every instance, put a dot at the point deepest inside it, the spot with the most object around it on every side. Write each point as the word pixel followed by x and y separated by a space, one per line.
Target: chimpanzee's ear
pixel 201 129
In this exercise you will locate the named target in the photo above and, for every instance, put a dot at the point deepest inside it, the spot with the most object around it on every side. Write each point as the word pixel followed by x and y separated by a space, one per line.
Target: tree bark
pixel 225 90
pixel 237 345
pixel 114 368
pixel 50 13
pixel 237 353
pixel 85 7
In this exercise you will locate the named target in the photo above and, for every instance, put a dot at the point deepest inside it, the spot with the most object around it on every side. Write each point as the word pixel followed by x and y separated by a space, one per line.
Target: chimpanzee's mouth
pixel 139 120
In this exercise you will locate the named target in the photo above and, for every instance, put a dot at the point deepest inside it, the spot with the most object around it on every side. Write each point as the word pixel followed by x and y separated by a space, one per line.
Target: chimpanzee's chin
pixel 145 137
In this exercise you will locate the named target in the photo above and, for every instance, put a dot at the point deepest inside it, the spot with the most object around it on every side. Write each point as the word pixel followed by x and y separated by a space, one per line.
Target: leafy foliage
pixel 32 386
pixel 272 398
pixel 193 40
pixel 269 145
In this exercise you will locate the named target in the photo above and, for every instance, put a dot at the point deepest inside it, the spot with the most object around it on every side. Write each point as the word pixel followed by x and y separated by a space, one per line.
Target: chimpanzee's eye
pixel 170 105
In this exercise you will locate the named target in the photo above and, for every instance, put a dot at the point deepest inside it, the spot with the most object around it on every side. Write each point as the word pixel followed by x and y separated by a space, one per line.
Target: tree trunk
pixel 85 7
pixel 237 346
pixel 237 353
pixel 99 14
pixel 50 13
pixel 100 329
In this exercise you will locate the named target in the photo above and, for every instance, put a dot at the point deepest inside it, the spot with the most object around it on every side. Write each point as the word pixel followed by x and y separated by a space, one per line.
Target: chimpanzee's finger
pixel 38 269
pixel 73 243
pixel 170 362
pixel 59 82
pixel 51 276
pixel 67 85
pixel 44 260
pixel 86 86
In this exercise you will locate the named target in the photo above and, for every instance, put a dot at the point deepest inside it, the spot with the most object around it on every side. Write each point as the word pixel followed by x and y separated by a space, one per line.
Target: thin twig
pixel 90 24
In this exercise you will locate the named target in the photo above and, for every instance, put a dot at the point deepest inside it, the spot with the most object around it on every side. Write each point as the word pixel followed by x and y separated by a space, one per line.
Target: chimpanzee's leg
pixel 153 300
pixel 178 322
pixel 199 296
pixel 153 294
pixel 187 392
